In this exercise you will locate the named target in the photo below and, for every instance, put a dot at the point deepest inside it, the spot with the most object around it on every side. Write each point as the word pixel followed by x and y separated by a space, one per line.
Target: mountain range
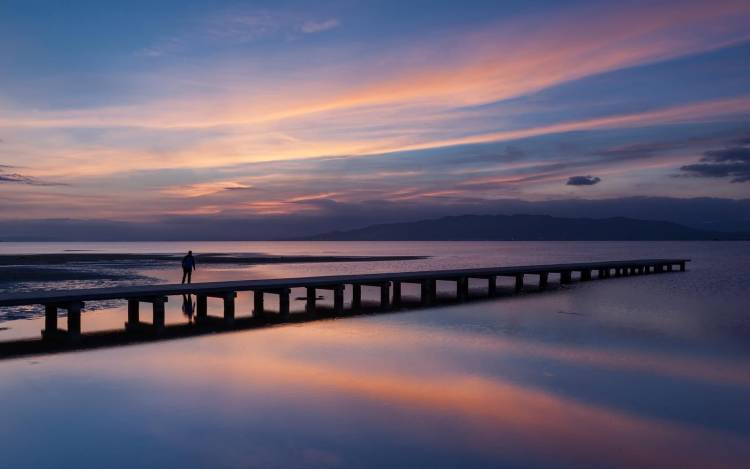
pixel 527 228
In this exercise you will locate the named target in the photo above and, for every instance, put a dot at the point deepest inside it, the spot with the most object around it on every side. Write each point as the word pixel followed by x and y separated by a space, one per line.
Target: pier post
pixel 585 275
pixel 258 306
pixel 427 292
pixel 50 322
pixel 284 302
pixel 74 319
pixel 310 304
pixel 158 313
pixel 682 267
pixel 201 307
pixel 396 294
pixel 543 280
pixel 669 267
pixel 659 268
pixel 462 289
pixel 338 299
pixel 565 277
pixel 519 283
pixel 134 313
pixel 600 274
pixel 357 297
pixel 229 298
pixel 385 295
pixel 492 286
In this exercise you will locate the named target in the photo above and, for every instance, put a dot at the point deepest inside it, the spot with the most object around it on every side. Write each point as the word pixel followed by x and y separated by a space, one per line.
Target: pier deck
pixel 390 284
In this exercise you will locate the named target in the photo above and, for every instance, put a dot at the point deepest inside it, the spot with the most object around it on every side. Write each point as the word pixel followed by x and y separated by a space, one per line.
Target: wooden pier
pixel 389 284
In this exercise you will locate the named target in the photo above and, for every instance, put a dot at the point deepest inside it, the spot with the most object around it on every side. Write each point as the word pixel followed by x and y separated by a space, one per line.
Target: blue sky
pixel 131 110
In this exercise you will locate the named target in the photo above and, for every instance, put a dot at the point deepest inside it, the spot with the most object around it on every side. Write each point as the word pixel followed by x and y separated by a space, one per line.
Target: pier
pixel 53 336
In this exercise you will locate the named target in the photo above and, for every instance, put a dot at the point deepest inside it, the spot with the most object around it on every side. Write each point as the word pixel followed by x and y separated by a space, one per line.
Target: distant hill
pixel 526 228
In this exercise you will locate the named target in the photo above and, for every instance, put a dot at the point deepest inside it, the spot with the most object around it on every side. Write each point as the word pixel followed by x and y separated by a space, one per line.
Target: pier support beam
pixel 284 302
pixel 585 275
pixel 158 319
pixel 396 294
pixel 229 299
pixel 134 313
pixel 682 267
pixel 428 291
pixel 492 286
pixel 462 289
pixel 310 306
pixel 338 299
pixel 50 323
pixel 52 332
pixel 259 309
pixel 385 295
pixel 201 307
pixel 74 319
pixel 357 297
pixel 519 283
pixel 543 280
pixel 158 322
pixel 565 277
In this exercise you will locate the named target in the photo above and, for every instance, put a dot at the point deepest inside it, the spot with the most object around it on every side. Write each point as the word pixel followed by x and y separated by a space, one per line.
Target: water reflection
pixel 188 307
pixel 319 392
pixel 636 372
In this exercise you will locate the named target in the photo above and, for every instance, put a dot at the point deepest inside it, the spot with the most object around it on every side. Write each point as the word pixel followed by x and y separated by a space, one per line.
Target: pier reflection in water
pixel 437 387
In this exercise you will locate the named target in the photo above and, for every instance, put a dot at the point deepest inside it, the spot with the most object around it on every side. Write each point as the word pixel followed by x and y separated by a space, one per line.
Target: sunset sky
pixel 136 110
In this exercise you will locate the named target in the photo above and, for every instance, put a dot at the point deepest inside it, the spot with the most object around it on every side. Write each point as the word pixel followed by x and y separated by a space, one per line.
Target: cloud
pixel 583 181
pixel 729 162
pixel 16 178
pixel 205 188
pixel 310 27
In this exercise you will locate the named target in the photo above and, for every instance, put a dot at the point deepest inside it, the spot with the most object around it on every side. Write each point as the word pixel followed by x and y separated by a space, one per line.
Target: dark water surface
pixel 639 371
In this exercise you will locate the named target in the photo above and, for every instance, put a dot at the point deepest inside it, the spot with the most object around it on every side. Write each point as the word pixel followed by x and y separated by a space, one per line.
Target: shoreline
pixel 18 260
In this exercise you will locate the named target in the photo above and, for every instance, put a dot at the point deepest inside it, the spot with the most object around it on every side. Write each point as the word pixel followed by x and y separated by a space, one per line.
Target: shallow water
pixel 651 370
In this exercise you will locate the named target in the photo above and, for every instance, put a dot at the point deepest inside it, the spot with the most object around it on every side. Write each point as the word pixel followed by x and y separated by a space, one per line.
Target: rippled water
pixel 638 371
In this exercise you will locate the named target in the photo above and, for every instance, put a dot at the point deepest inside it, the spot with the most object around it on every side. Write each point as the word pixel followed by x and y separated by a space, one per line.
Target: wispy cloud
pixel 311 27
pixel 207 188
pixel 17 178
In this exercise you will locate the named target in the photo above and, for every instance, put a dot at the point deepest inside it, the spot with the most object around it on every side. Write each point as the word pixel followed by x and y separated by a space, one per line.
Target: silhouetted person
pixel 188 307
pixel 188 266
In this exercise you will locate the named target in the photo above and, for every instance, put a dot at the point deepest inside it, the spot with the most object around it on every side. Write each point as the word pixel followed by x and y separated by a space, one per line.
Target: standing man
pixel 188 266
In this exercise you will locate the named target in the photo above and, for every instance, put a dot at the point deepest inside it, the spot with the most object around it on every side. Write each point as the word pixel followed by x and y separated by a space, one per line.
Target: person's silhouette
pixel 188 266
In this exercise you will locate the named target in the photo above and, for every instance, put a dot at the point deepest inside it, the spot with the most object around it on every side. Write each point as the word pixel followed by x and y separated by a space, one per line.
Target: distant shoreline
pixel 208 258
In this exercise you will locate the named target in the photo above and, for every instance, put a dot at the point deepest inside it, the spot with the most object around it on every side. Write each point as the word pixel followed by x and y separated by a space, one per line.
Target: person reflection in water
pixel 188 266
pixel 188 307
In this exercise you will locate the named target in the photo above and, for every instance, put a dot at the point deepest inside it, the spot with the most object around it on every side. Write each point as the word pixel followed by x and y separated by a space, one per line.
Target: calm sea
pixel 628 372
